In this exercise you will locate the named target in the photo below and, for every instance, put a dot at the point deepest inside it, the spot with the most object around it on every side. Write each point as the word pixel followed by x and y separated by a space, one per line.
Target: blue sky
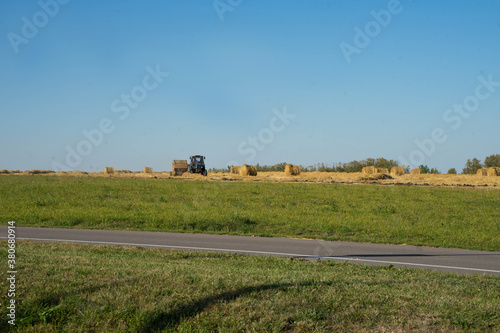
pixel 248 82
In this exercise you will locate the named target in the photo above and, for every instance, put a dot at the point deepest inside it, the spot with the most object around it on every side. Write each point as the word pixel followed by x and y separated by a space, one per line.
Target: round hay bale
pixel 397 171
pixel 6 172
pixel 368 170
pixel 493 171
pixel 234 169
pixel 248 170
pixel 482 172
pixel 292 170
pixel 148 170
pixel 109 170
pixel 382 170
pixel 415 171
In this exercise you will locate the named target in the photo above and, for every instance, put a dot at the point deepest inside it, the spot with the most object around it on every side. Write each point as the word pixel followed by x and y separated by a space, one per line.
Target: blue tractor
pixel 197 165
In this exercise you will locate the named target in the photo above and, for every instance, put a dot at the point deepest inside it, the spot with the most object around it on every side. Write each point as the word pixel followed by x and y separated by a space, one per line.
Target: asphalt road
pixel 438 259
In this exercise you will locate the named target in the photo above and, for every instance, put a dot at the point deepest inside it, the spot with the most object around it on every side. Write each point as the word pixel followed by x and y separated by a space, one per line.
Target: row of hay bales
pixel 9 172
pixel 493 172
pixel 111 170
pixel 395 171
pixel 369 170
pixel 251 170
pixel 27 172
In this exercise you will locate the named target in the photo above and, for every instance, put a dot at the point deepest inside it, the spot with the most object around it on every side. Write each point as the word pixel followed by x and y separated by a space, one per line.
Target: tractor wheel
pixel 205 173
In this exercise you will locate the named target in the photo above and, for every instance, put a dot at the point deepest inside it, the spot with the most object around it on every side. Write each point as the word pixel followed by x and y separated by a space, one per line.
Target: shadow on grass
pixel 160 321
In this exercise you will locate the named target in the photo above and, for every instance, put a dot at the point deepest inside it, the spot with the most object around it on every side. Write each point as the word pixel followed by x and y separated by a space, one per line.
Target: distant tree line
pixel 474 164
pixel 353 166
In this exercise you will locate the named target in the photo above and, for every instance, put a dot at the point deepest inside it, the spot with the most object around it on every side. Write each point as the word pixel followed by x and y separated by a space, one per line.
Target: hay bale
pixel 369 170
pixel 397 171
pixel 248 170
pixel 6 172
pixel 179 167
pixel 148 170
pixel 382 170
pixel 292 170
pixel 494 171
pixel 482 172
pixel 415 171
pixel 234 169
pixel 109 170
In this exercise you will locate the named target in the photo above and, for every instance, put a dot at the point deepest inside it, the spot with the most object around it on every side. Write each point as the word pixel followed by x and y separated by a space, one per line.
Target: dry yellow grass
pixel 369 170
pixel 482 172
pixel 292 170
pixel 148 170
pixel 109 170
pixel 192 175
pixel 234 169
pixel 415 171
pixel 309 177
pixel 397 171
pixel 248 170
pixel 494 171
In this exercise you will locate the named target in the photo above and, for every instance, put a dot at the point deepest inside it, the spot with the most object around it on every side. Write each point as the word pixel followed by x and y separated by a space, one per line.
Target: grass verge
pixel 83 288
pixel 431 216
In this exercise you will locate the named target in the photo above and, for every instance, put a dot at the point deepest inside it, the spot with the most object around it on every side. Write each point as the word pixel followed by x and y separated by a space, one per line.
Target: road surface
pixel 438 259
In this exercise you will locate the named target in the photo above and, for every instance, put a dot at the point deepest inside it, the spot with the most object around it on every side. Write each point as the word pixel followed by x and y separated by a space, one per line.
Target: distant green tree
pixel 472 166
pixel 492 161
pixel 452 171
pixel 434 171
pixel 424 169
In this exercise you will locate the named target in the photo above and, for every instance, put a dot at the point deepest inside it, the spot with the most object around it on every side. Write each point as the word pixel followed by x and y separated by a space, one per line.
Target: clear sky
pixel 84 84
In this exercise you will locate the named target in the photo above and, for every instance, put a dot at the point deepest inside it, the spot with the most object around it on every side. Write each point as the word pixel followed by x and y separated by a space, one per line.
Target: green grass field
pixel 87 288
pixel 432 216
